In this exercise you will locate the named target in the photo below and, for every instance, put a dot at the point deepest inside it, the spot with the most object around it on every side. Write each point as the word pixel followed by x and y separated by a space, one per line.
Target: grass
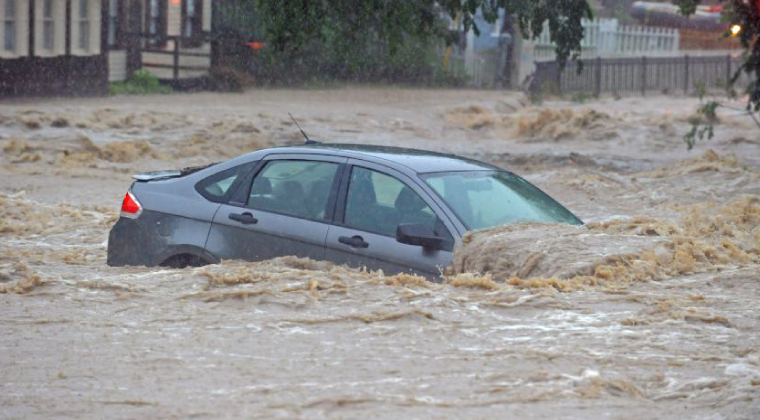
pixel 141 83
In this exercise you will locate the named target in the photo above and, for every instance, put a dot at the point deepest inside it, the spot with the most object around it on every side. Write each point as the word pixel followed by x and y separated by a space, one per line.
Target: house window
pixel 9 26
pixel 84 24
pixel 48 26
pixel 156 22
pixel 192 22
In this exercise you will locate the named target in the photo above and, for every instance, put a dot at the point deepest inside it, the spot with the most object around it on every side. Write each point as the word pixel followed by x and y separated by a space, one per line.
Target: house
pixel 50 47
pixel 168 38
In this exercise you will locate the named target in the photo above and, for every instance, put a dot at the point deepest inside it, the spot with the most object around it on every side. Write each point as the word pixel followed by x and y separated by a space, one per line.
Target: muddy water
pixel 650 311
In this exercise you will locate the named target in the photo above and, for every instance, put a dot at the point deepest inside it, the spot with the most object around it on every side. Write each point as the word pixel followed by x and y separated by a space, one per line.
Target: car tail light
pixel 130 207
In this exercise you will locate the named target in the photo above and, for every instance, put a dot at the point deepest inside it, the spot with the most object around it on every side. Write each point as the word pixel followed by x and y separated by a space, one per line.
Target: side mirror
pixel 419 235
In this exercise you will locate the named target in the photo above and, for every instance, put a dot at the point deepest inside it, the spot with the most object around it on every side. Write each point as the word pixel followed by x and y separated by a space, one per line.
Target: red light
pixel 130 207
pixel 256 45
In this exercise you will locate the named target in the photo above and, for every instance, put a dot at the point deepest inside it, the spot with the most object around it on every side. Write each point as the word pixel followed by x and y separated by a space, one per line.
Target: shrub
pixel 581 97
pixel 141 83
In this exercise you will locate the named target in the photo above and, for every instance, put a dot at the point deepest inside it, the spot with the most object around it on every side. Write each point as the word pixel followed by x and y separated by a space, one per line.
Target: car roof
pixel 419 161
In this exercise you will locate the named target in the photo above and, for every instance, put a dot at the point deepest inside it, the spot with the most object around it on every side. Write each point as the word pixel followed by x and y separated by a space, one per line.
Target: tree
pixel 291 24
pixel 745 14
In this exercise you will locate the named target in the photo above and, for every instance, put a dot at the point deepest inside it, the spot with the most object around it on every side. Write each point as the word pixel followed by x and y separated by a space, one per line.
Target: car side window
pixel 378 203
pixel 299 188
pixel 218 187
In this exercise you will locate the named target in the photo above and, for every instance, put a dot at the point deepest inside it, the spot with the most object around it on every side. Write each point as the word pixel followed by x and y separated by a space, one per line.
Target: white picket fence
pixel 607 39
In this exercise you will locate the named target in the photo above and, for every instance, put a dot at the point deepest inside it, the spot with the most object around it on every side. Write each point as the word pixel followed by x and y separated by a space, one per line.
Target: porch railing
pixel 176 52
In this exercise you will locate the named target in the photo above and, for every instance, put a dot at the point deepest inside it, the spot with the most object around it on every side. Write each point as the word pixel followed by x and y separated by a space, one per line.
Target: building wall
pixel 117 65
pixel 85 65
pixel 125 54
pixel 62 69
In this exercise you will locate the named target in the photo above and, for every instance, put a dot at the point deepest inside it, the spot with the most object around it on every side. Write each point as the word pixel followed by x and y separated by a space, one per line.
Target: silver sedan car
pixel 383 208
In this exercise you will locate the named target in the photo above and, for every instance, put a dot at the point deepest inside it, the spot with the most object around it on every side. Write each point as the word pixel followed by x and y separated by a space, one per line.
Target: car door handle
pixel 245 218
pixel 354 241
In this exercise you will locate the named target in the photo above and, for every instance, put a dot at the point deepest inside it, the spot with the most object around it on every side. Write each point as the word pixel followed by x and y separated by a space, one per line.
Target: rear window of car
pixel 221 185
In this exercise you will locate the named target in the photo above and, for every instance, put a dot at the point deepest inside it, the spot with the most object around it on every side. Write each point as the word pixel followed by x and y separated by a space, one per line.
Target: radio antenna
pixel 308 140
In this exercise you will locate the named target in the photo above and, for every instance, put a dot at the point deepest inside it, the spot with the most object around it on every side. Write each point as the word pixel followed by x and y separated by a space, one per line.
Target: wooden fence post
pixel 598 77
pixel 686 75
pixel 644 76
pixel 728 74
pixel 175 69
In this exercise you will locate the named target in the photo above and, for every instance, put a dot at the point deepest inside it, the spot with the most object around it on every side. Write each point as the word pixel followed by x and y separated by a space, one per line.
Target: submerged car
pixel 383 208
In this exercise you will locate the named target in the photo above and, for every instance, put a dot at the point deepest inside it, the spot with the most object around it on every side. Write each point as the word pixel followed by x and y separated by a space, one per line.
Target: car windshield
pixel 483 199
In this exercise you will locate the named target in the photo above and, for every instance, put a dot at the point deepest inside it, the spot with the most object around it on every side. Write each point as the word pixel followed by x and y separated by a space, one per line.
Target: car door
pixel 373 201
pixel 285 210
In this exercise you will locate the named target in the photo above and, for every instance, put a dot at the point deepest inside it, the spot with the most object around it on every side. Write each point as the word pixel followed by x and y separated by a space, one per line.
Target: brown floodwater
pixel 650 310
